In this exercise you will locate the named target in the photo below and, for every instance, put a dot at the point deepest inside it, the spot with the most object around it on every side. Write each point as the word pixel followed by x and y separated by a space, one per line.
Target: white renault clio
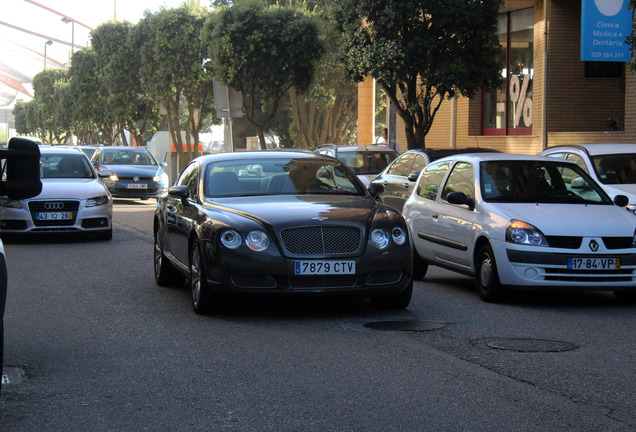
pixel 73 199
pixel 523 223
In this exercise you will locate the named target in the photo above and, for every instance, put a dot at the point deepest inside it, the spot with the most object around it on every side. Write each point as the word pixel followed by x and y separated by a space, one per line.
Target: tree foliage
pixel 327 112
pixel 421 52
pixel 631 39
pixel 262 52
pixel 172 70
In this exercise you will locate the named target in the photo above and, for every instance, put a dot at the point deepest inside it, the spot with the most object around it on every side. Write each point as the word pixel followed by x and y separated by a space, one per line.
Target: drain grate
pixel 531 345
pixel 407 326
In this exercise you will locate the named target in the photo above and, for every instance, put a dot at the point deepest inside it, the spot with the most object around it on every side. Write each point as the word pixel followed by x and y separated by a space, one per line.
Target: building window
pixel 508 111
pixel 595 69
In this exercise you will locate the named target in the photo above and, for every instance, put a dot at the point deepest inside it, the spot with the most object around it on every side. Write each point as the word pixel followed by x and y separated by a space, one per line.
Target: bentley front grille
pixel 321 240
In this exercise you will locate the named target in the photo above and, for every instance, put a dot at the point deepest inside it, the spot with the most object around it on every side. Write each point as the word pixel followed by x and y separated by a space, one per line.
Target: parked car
pixel 135 172
pixel 72 200
pixel 519 222
pixel 399 177
pixel 279 223
pixel 365 161
pixel 20 179
pixel 611 165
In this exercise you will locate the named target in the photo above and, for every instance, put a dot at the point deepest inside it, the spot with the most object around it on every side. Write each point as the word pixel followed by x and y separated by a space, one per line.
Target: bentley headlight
pixel 6 202
pixel 257 241
pixel 398 235
pixel 97 201
pixel 231 239
pixel 523 233
pixel 379 238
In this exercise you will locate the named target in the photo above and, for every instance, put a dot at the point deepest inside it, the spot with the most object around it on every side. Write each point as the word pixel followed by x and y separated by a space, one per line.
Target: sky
pixel 26 26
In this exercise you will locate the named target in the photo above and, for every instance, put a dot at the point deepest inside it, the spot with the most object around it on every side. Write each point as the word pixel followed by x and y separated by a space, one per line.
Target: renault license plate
pixel 315 267
pixel 594 263
pixel 54 216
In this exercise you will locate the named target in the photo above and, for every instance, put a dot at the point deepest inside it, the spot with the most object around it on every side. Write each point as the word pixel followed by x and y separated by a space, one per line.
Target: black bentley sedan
pixel 279 223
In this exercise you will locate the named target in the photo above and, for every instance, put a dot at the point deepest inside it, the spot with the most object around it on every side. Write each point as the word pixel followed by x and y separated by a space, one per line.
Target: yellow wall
pixel 578 107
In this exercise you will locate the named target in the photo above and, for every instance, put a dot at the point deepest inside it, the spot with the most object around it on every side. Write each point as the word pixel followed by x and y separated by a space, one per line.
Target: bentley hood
pixel 284 211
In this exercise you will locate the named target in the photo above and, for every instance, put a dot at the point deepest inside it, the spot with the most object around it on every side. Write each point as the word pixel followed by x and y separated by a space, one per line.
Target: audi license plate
pixel 594 263
pixel 324 267
pixel 136 186
pixel 54 216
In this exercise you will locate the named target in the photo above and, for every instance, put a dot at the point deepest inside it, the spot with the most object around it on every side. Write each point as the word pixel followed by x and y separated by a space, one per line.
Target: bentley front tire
pixel 204 301
pixel 394 302
pixel 165 273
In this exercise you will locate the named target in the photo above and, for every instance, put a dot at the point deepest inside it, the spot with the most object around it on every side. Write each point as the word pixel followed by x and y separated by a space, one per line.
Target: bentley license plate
pixel 324 267
pixel 54 216
pixel 137 186
pixel 594 263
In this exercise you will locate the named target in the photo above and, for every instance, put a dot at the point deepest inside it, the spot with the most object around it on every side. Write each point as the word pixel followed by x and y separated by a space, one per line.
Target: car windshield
pixel 65 166
pixel 280 176
pixel 615 168
pixel 539 182
pixel 367 162
pixel 127 157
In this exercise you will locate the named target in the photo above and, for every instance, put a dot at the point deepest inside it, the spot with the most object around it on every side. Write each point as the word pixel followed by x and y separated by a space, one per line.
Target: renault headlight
pixel 523 233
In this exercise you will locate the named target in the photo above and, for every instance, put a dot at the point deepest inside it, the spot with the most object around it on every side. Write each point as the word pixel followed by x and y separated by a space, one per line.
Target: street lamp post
pixel 67 20
pixel 48 42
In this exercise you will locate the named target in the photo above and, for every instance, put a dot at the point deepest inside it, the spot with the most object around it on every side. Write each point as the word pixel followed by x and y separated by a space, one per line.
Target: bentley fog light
pixel 398 235
pixel 257 241
pixel 379 238
pixel 231 239
pixel 523 233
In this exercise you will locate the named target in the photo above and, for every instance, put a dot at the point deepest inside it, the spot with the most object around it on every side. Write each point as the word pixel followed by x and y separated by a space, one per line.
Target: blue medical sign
pixel 605 24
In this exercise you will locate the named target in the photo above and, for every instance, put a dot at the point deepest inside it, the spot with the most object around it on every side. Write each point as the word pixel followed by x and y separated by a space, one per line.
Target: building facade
pixel 550 95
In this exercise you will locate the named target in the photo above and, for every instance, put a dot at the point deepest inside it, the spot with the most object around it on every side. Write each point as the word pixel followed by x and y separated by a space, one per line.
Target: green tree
pixel 20 115
pixel 421 52
pixel 46 112
pixel 172 71
pixel 119 64
pixel 262 52
pixel 327 112
pixel 90 110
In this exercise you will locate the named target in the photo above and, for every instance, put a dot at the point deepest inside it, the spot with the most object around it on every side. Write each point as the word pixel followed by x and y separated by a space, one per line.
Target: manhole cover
pixel 411 326
pixel 531 345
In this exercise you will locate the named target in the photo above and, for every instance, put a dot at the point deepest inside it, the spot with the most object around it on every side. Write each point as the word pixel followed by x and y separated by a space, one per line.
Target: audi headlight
pixel 398 235
pixel 523 233
pixel 231 239
pixel 257 241
pixel 113 177
pixel 97 201
pixel 379 238
pixel 6 202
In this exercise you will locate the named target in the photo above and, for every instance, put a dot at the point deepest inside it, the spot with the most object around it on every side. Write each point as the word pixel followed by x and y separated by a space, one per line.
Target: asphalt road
pixel 103 348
